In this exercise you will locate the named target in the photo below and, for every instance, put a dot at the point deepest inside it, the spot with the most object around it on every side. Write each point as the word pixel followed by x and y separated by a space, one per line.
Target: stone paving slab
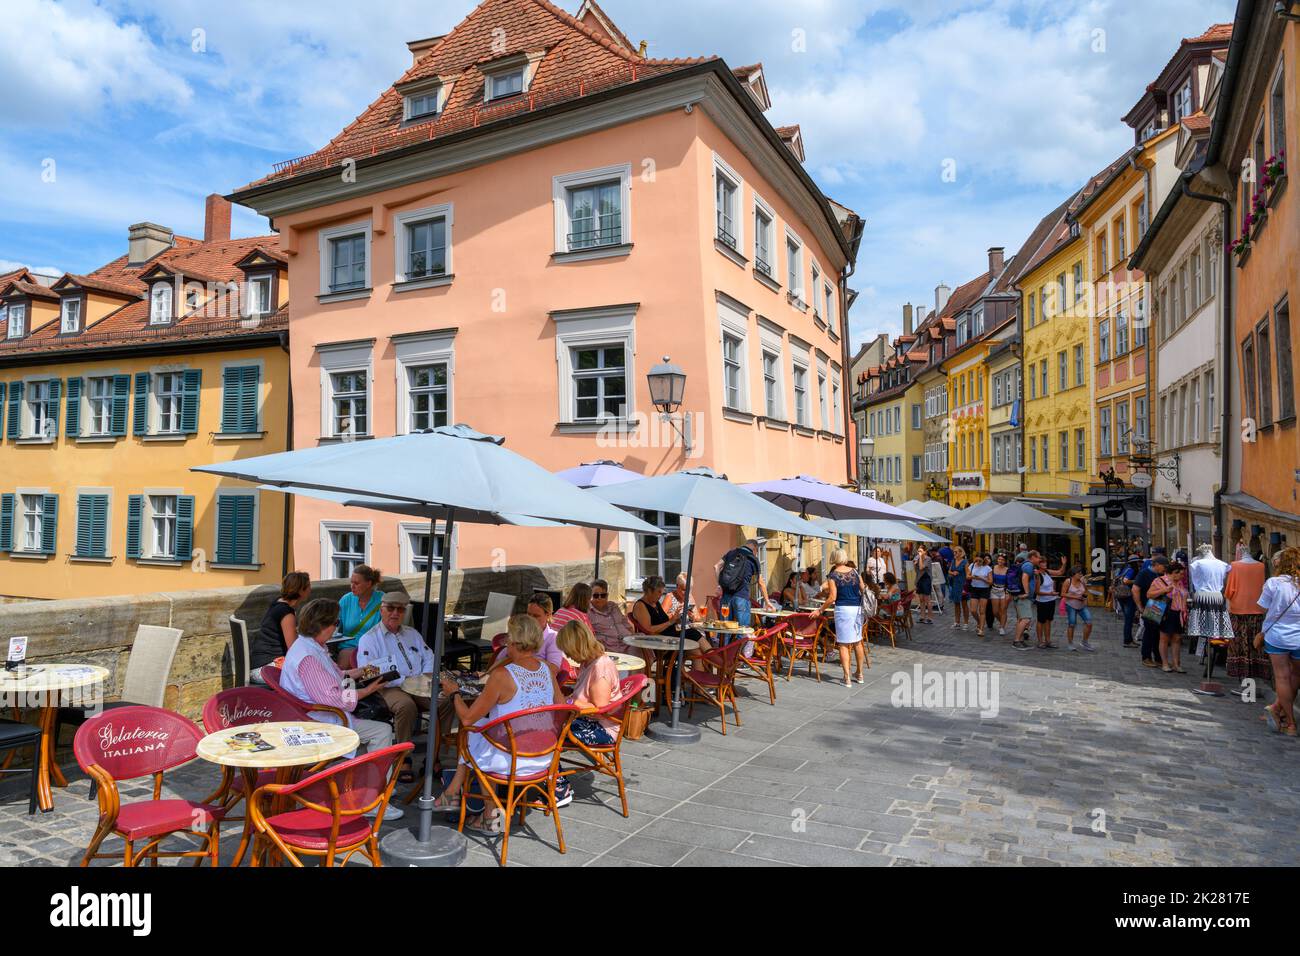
pixel 1090 760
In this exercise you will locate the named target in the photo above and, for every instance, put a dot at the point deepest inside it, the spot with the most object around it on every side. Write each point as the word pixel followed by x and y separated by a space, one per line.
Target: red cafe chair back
pixel 271 674
pixel 248 705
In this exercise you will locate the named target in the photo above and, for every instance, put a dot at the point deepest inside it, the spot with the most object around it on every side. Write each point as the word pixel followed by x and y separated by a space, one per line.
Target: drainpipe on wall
pixel 850 447
pixel 287 543
pixel 1225 290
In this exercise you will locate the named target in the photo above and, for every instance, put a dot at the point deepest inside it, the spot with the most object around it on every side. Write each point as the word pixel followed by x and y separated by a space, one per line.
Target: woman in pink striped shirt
pixel 576 606
pixel 310 674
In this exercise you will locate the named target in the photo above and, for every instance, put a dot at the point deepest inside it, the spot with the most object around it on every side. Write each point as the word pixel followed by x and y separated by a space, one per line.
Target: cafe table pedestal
pixel 283 758
pixel 42 686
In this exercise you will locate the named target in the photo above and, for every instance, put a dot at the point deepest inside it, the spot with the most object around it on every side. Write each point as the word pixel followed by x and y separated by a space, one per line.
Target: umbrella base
pixel 446 847
pixel 668 734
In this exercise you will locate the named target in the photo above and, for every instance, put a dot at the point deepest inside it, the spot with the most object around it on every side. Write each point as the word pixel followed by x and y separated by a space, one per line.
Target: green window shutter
pixel 140 424
pixel 134 508
pixel 72 417
pixel 92 526
pixel 6 522
pixel 121 391
pixel 56 388
pixel 15 409
pixel 184 527
pixel 50 525
pixel 192 381
pixel 231 380
pixel 248 398
pixel 235 529
pixel 2 405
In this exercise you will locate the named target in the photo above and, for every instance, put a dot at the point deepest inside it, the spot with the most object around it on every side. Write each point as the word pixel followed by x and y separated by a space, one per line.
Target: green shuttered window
pixel 235 529
pixel 92 526
pixel 239 392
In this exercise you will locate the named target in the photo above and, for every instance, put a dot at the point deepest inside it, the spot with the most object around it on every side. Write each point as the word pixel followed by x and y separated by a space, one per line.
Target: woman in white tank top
pixel 525 681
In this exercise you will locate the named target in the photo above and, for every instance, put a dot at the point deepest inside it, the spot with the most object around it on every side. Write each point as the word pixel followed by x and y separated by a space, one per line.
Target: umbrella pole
pixel 423 846
pixel 596 573
pixel 673 732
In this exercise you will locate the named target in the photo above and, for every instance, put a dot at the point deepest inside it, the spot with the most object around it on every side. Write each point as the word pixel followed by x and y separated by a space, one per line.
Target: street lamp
pixel 865 447
pixel 667 389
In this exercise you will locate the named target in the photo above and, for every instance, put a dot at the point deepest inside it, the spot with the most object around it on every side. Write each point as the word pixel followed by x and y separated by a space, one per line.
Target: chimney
pixel 941 293
pixel 997 261
pixel 146 240
pixel 907 320
pixel 216 219
pixel 419 48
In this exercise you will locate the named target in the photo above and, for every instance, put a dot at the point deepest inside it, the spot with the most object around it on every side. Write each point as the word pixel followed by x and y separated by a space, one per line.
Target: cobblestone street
pixel 833 776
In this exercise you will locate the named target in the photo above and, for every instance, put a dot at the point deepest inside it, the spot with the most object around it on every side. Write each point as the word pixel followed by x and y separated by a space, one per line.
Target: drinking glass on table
pixel 724 610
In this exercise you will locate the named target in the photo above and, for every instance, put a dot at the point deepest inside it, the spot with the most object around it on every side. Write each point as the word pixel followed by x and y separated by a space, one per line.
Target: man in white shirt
pixel 392 646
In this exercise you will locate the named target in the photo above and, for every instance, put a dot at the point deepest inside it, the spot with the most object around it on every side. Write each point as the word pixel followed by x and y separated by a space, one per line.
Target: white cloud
pixel 67 61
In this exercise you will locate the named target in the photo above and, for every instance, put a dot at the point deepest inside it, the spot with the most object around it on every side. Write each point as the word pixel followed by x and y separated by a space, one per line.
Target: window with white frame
pixel 99 404
pixel 656 555
pixel 423 238
pixel 1182 107
pixel 772 384
pixel 1105 431
pixel 169 397
pixel 732 369
pixel 16 320
pixel 344 546
pixel 71 315
pixel 727 192
pixel 33 521
pixel 423 101
pixel 42 408
pixel 829 313
pixel 1103 340
pixel 594 352
pixel 835 400
pixel 162 526
pixel 258 295
pixel 800 379
pixel 816 293
pixel 822 398
pixel 794 266
pixel 505 83
pixel 345 390
pixel 764 232
pixel 416 549
pixel 1080 448
pixel 345 259
pixel 592 209
pixel 427 391
pixel 160 303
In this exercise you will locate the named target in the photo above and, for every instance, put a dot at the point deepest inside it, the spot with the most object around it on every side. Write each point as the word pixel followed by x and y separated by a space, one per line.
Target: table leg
pixel 250 781
pixel 46 759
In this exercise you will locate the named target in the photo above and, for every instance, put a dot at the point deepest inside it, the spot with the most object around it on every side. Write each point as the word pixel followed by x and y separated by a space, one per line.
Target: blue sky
pixel 119 111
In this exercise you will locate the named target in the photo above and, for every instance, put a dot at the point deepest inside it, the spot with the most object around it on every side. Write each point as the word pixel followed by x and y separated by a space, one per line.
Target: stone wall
pixel 101 630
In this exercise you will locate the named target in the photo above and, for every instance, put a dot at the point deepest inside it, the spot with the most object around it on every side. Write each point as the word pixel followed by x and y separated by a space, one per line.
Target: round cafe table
pixel 283 757
pixel 49 686
pixel 626 663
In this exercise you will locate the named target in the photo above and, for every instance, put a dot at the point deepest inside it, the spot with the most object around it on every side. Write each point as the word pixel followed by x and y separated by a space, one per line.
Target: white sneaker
pixel 1002 632
pixel 391 812
pixel 1088 647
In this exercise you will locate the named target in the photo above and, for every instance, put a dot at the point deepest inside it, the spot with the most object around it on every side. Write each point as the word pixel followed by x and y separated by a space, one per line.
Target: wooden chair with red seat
pixel 759 664
pixel 127 743
pixel 604 759
pixel 800 639
pixel 904 612
pixel 329 817
pixel 884 621
pixel 714 680
pixel 536 734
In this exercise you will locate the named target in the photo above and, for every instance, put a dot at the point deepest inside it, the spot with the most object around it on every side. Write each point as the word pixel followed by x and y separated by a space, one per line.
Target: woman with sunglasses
pixel 608 622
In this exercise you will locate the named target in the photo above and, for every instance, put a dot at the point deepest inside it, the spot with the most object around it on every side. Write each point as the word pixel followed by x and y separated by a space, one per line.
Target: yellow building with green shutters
pixel 114 385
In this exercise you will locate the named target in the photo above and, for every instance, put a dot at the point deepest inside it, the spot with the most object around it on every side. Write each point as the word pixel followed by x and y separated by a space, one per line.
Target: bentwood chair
pixel 537 735
pixel 800 640
pixel 717 685
pixel 328 811
pixel 235 708
pixel 606 759
pixel 762 659
pixel 127 743
pixel 271 674
pixel 885 622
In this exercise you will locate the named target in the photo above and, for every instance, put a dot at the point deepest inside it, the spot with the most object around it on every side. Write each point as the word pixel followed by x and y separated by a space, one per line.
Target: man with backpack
pixel 737 572
pixel 1022 588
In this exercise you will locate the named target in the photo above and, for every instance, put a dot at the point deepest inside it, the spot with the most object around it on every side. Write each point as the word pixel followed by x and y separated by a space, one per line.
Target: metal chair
pixel 135 741
pixel 15 735
pixel 717 684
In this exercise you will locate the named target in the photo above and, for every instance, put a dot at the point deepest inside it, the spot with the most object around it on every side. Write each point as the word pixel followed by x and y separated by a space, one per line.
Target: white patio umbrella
pixel 929 511
pixel 448 472
pixel 882 529
pixel 962 520
pixel 1016 516
pixel 701 495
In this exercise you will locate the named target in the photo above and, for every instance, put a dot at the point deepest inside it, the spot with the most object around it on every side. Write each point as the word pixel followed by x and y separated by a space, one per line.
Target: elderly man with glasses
pixel 392 646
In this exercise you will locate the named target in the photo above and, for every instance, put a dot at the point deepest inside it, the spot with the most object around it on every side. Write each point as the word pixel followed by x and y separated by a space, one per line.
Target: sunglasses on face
pixel 598 595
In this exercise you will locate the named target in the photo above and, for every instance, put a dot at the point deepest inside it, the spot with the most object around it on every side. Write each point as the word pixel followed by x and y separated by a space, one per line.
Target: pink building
pixel 516 231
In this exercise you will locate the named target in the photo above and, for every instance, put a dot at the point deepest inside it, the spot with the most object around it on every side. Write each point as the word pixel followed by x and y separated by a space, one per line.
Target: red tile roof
pixel 97 284
pixel 207 261
pixel 575 61
pixel 30 287
pixel 1218 33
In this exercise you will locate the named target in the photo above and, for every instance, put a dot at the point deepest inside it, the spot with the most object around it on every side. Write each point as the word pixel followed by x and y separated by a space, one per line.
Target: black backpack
pixel 735 573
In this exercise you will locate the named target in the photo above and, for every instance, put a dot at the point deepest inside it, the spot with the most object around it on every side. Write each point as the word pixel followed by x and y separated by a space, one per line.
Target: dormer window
pixel 17 320
pixel 423 99
pixel 71 316
pixel 160 304
pixel 259 295
pixel 506 83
